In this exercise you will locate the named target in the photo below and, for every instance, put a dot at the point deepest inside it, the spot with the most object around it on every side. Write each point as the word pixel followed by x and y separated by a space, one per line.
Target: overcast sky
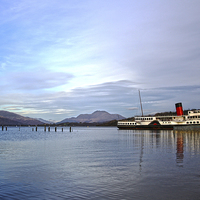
pixel 62 58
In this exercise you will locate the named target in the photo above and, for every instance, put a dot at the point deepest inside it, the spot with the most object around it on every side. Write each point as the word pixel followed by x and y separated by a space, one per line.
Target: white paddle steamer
pixel 163 122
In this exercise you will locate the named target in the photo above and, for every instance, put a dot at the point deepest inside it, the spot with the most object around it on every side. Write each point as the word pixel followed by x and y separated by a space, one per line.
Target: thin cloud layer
pixel 38 79
pixel 115 97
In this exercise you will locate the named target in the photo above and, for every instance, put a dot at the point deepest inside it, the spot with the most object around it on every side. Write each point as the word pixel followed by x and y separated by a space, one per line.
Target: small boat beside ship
pixel 192 118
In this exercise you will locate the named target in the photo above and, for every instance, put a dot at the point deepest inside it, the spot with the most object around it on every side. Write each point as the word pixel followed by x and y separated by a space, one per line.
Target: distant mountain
pixel 9 118
pixel 5 121
pixel 46 121
pixel 97 116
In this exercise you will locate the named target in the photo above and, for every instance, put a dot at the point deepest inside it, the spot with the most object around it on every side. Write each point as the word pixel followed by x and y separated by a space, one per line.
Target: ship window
pixel 190 122
pixel 187 122
pixel 197 122
pixel 193 122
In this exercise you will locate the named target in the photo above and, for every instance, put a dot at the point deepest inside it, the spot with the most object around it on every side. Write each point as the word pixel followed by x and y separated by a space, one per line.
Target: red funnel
pixel 179 109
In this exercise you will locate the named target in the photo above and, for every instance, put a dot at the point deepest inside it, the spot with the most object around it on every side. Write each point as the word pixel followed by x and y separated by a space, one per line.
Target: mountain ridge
pixel 10 118
pixel 95 117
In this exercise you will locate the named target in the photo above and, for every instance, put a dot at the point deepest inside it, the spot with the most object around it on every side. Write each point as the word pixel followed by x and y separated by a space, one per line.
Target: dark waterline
pixel 99 163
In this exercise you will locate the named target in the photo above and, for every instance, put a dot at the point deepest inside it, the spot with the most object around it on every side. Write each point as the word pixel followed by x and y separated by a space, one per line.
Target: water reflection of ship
pixel 180 142
pixel 155 135
pixel 179 149
pixel 186 141
pixel 141 152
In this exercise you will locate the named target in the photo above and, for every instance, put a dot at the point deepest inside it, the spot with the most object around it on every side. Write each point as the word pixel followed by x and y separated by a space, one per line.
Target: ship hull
pixel 157 127
pixel 146 127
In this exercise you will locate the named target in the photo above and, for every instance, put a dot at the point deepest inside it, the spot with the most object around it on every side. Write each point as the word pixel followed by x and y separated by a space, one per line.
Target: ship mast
pixel 140 103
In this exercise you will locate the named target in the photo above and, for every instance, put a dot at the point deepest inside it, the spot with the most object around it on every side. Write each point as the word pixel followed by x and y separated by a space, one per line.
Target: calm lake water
pixel 99 163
